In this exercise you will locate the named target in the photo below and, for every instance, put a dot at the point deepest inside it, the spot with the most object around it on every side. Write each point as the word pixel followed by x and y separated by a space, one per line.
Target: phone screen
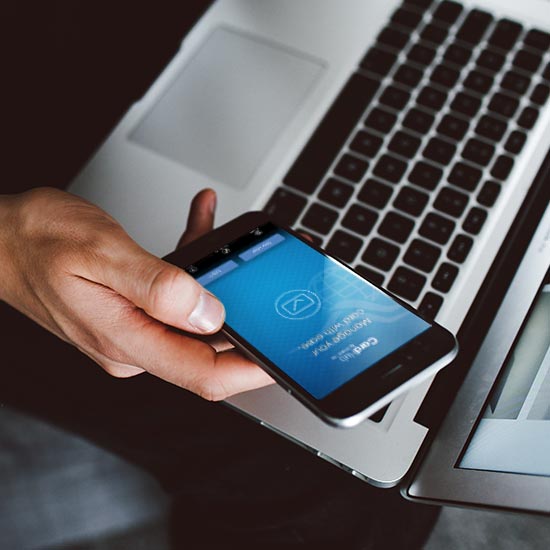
pixel 312 317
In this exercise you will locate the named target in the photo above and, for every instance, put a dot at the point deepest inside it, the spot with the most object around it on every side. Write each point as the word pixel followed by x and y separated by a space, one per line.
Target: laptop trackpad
pixel 228 105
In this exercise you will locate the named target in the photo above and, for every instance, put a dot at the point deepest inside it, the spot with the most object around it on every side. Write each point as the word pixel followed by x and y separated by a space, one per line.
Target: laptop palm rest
pixel 226 108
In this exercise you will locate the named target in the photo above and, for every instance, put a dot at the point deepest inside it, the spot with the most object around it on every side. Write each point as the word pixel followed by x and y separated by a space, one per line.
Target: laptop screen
pixel 513 433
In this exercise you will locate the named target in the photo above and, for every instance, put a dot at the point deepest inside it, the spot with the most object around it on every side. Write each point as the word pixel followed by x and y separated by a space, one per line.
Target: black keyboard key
pixel 375 193
pixel 502 167
pixel 425 175
pixel 478 82
pixel 460 248
pixel 540 94
pixel 369 274
pixel 418 121
pixel 451 202
pixel 457 55
pixel 466 104
pixel 539 40
pixel 515 82
pixel 528 117
pixel 505 34
pixel 491 60
pixel 406 18
pixel 445 277
pixel 474 26
pixel 404 144
pixel 395 98
pixel 453 127
pixel 378 61
pixel 407 283
pixel 320 218
pixel 437 228
pixel 422 255
pixel 435 34
pixel 491 128
pixel 447 12
pixel 390 168
pixel 489 193
pixel 527 61
pixel 366 143
pixel 474 220
pixel 503 105
pixel 393 38
pixel 444 76
pixel 360 219
pixel 380 120
pixel 431 98
pixel 396 227
pixel 336 192
pixel 352 168
pixel 284 206
pixel 430 305
pixel 478 151
pixel 439 151
pixel 423 55
pixel 465 176
pixel 411 201
pixel 380 254
pixel 408 75
pixel 327 140
pixel 546 72
pixel 515 142
pixel 344 246
pixel 421 5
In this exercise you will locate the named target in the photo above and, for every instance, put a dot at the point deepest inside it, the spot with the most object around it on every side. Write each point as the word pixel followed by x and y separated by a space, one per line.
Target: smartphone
pixel 341 345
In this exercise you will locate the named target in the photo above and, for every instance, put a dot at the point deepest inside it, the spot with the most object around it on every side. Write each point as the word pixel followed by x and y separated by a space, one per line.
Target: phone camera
pixel 257 232
pixel 192 269
pixel 225 250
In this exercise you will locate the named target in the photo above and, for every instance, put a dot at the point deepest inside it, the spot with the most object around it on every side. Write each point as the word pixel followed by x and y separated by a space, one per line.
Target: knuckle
pixel 117 370
pixel 107 346
pixel 211 391
pixel 103 343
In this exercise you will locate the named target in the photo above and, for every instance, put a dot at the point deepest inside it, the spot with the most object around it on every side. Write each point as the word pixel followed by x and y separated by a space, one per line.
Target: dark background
pixel 73 69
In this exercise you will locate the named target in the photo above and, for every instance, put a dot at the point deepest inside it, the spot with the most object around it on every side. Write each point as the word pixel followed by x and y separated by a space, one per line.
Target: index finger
pixel 191 363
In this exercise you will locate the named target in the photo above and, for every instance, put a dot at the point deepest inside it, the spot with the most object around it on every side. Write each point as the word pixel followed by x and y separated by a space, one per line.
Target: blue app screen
pixel 317 321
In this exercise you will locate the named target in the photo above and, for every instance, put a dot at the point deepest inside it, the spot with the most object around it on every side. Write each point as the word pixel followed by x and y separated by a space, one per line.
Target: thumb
pixel 163 291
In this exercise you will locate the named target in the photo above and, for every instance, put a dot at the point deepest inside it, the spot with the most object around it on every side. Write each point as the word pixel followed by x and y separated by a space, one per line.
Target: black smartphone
pixel 341 345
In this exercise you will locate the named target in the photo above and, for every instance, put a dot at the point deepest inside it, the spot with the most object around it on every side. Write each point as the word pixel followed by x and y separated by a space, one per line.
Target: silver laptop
pixel 493 448
pixel 403 136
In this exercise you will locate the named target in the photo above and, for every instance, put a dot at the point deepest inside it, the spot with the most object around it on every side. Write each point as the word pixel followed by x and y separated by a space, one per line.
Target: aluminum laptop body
pixel 250 86
pixel 492 449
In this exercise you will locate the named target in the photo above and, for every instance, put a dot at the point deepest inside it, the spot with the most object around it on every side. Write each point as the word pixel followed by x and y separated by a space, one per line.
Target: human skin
pixel 72 268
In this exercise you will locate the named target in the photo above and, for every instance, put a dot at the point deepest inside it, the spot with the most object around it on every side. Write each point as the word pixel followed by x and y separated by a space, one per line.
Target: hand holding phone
pixel 342 346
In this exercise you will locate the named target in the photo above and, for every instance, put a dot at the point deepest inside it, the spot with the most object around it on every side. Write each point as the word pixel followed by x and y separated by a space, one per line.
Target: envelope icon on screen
pixel 298 304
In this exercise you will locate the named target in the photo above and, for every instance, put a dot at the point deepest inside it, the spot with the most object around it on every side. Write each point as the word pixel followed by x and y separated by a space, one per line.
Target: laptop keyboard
pixel 401 175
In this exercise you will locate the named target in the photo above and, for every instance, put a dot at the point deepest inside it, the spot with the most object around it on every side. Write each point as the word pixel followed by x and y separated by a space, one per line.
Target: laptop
pixel 403 136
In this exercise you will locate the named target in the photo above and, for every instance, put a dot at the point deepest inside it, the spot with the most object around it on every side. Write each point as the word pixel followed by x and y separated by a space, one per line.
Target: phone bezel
pixel 433 348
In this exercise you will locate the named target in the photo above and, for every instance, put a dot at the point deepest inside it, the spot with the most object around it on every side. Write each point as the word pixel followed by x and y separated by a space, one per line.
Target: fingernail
pixel 208 314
